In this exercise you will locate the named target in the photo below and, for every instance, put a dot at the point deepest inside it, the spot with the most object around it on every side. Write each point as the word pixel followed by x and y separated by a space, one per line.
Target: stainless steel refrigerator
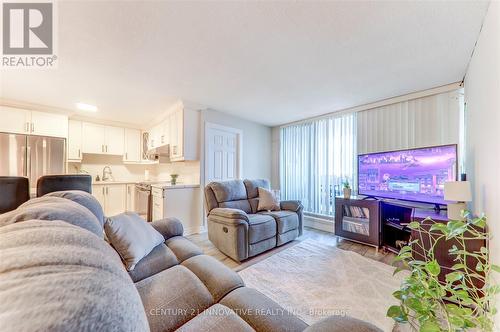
pixel 32 156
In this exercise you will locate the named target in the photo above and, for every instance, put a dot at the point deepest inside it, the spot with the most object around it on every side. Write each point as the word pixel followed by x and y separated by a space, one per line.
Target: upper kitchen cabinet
pixel 20 121
pixel 74 140
pixel 184 135
pixel 114 140
pixel 94 138
pixel 14 120
pixel 132 146
pixel 49 124
pixel 101 139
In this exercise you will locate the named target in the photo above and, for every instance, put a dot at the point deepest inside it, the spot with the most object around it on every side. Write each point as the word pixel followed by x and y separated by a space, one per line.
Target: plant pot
pixel 347 193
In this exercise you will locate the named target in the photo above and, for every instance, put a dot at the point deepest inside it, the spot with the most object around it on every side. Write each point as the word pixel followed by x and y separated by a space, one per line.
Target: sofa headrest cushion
pixel 228 190
pixel 82 198
pixel 56 276
pixel 54 208
pixel 253 185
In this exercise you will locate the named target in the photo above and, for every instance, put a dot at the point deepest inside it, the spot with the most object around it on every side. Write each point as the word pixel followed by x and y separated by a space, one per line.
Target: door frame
pixel 239 138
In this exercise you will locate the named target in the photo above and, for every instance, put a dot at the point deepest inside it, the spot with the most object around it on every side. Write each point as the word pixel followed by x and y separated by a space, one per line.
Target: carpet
pixel 315 280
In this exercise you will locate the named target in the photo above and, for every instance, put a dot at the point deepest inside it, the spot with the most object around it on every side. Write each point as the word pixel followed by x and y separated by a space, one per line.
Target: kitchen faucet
pixel 107 174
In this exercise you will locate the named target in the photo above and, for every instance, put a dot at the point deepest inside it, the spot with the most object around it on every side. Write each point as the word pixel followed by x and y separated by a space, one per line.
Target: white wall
pixel 256 142
pixel 482 97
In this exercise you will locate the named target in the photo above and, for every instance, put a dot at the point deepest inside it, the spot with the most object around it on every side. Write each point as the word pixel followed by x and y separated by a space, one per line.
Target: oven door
pixel 143 202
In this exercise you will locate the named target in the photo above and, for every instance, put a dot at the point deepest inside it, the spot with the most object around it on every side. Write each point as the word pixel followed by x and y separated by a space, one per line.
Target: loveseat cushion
pixel 172 297
pixel 183 248
pixel 254 307
pixel 228 190
pixel 285 220
pixel 217 277
pixel 58 277
pixel 253 185
pixel 54 208
pixel 159 259
pixel 216 318
pixel 260 227
pixel 241 204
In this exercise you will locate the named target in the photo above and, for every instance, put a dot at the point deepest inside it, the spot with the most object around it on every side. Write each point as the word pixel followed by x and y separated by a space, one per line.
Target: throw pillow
pixel 132 237
pixel 267 201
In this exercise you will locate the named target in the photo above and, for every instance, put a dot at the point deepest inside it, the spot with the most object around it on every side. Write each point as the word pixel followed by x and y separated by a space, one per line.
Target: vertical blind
pixel 316 157
pixel 427 121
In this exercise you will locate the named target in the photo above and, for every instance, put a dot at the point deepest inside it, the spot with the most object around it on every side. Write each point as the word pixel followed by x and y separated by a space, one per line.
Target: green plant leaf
pixel 395 312
pixel 430 326
pixel 495 268
pixel 439 227
pixel 455 228
pixel 433 268
pixel 414 225
pixel 454 276
pixel 458 266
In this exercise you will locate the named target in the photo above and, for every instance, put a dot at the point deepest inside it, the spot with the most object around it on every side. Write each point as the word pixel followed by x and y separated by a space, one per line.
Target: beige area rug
pixel 315 280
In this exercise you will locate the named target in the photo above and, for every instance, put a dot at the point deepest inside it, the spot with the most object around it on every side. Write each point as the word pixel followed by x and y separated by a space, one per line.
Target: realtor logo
pixel 28 34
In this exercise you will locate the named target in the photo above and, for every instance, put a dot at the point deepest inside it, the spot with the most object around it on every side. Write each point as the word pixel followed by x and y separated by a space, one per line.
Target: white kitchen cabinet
pixel 184 135
pixel 116 199
pixel 114 140
pixel 49 124
pixel 20 121
pixel 130 206
pixel 74 140
pixel 184 203
pixel 99 192
pixel 100 139
pixel 93 138
pixel 14 120
pixel 113 197
pixel 132 145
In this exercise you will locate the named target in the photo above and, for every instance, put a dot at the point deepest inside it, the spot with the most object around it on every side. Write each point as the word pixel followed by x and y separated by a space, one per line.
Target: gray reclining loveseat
pixel 236 226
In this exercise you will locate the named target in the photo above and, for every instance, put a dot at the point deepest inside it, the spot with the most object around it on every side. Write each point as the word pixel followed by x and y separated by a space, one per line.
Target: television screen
pixel 414 175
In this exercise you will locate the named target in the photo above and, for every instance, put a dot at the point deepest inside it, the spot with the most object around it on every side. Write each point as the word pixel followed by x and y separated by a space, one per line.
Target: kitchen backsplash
pixel 189 171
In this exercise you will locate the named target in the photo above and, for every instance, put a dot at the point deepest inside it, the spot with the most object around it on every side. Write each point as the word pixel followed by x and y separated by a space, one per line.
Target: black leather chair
pixel 50 183
pixel 14 191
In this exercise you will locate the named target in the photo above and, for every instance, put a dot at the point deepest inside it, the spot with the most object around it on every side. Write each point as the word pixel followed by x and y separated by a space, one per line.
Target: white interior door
pixel 223 151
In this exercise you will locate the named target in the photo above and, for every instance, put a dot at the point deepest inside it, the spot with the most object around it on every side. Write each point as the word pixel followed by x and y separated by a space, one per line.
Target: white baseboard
pixel 319 224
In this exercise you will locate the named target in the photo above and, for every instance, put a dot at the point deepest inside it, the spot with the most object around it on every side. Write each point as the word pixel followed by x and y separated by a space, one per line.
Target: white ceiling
pixel 271 62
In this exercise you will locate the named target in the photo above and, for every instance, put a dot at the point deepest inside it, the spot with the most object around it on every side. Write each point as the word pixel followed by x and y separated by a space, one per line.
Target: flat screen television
pixel 413 175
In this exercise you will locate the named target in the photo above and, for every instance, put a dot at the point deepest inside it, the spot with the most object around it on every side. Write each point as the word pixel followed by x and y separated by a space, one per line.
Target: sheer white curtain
pixel 315 158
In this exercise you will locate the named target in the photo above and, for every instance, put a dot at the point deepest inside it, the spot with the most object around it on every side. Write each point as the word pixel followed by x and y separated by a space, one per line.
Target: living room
pixel 253 166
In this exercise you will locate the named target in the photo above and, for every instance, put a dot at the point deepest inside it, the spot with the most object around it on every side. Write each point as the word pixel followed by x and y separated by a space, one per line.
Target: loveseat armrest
pixel 342 324
pixel 168 227
pixel 291 205
pixel 230 213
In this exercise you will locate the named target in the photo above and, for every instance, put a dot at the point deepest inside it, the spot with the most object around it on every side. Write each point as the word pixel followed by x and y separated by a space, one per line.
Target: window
pixel 315 158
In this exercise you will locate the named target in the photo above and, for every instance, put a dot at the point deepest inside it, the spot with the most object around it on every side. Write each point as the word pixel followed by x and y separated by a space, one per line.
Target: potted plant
pixel 460 300
pixel 173 179
pixel 347 188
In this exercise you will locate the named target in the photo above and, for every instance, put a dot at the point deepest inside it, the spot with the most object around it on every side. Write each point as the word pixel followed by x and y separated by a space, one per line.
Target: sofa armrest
pixel 342 324
pixel 229 213
pixel 291 205
pixel 168 227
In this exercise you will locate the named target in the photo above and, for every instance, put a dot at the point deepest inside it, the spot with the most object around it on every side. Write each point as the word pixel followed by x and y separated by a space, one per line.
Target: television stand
pixel 366 198
pixel 438 208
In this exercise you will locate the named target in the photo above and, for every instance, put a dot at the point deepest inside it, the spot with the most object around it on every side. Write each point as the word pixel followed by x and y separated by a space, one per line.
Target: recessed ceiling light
pixel 86 107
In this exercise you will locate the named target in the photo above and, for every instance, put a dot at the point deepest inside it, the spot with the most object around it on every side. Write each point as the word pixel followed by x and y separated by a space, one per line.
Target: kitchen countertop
pixel 167 185
pixel 156 184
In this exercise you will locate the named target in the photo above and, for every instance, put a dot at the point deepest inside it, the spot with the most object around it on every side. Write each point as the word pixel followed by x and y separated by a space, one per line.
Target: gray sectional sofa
pixel 57 273
pixel 238 229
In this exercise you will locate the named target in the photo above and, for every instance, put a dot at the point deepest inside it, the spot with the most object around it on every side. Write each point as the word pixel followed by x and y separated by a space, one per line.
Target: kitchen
pixel 133 169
